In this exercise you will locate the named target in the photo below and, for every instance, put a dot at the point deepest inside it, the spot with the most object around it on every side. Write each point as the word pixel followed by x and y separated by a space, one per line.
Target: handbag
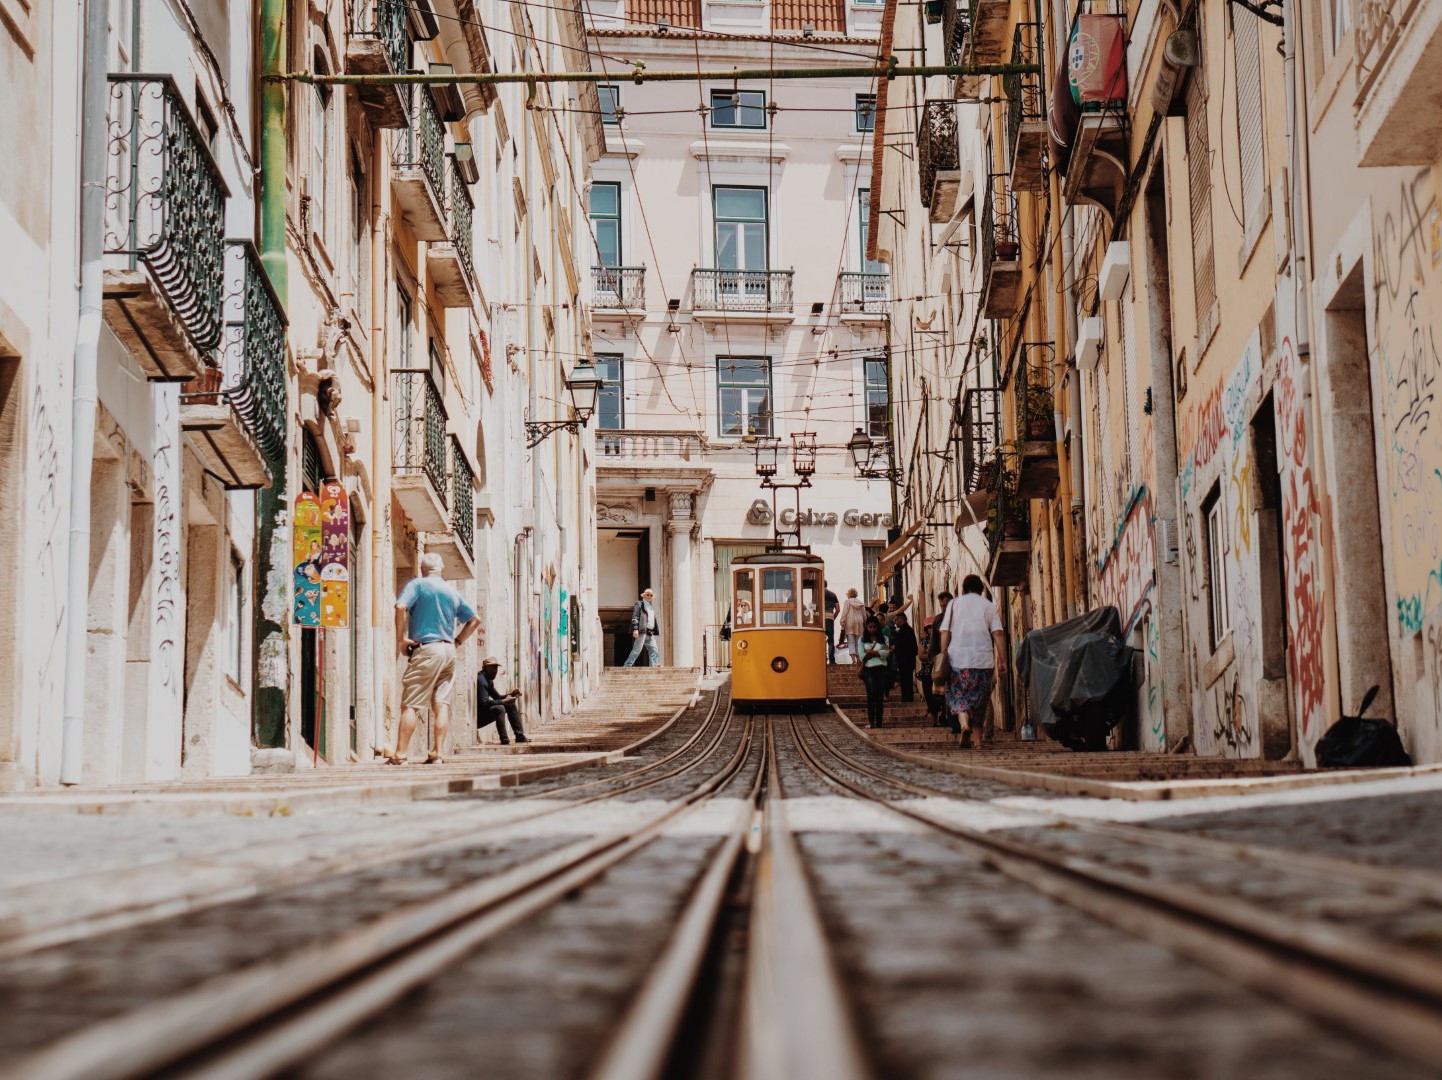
pixel 940 671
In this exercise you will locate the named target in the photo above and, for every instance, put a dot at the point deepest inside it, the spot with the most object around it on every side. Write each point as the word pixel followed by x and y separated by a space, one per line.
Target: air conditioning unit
pixel 1116 268
pixel 1168 541
pixel 1090 334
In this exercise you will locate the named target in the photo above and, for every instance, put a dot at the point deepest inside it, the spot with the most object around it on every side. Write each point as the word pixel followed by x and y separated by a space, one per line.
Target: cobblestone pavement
pixel 955 970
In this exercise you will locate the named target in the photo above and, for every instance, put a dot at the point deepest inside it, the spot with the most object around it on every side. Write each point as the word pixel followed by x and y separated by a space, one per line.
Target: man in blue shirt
pixel 426 616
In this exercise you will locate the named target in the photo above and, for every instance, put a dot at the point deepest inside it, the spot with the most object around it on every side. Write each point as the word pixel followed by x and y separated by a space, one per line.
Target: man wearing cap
pixel 645 628
pixel 427 612
pixel 493 707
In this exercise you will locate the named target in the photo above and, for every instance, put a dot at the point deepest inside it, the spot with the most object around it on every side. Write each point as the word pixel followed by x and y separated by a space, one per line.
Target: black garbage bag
pixel 1077 675
pixel 1355 742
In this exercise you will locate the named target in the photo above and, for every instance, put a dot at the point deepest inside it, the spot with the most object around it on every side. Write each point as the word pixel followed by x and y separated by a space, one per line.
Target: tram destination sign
pixel 760 514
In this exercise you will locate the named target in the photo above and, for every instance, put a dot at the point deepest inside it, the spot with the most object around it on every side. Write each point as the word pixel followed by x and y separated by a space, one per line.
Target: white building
pixel 731 302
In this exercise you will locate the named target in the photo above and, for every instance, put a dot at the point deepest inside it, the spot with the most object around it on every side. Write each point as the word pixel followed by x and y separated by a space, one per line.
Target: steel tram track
pixel 1383 993
pixel 265 1017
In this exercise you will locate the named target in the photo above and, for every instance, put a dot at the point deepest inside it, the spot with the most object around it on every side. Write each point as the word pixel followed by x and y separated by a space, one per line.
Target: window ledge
pixel 732 149
pixel 1252 237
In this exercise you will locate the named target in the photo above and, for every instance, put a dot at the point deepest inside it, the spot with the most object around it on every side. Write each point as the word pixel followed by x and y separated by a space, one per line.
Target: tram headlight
pixel 741 645
pixel 779 665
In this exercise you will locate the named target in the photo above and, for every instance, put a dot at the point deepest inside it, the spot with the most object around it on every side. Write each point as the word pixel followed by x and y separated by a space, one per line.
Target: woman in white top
pixel 853 621
pixel 975 647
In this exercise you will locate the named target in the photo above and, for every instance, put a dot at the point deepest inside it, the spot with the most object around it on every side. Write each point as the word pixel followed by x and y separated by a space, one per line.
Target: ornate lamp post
pixel 584 385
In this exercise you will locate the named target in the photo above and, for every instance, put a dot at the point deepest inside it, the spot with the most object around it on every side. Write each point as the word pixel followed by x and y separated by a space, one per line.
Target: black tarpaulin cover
pixel 1078 678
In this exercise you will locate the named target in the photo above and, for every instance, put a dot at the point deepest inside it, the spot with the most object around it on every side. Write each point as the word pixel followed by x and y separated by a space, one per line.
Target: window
pixel 738 108
pixel 404 328
pixel 610 402
pixel 865 112
pixel 1214 530
pixel 870 556
pixel 778 597
pixel 878 397
pixel 1199 169
pixel 236 653
pixel 1247 50
pixel 743 386
pixel 320 140
pixel 1341 12
pixel 744 612
pixel 811 598
pixel 868 266
pixel 610 95
pixel 606 222
pixel 742 228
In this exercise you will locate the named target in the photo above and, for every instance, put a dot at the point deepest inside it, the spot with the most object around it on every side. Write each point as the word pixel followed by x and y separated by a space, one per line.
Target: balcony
pixel 619 289
pixel 380 42
pixel 1038 474
pixel 939 159
pixel 419 174
pixel 1025 111
pixel 659 446
pixel 1399 80
pixel 164 230
pixel 451 263
pixel 235 411
pixel 1000 251
pixel 956 41
pixel 863 297
pixel 987 19
pixel 742 295
pixel 1095 168
pixel 457 548
pixel 418 453
pixel 1008 534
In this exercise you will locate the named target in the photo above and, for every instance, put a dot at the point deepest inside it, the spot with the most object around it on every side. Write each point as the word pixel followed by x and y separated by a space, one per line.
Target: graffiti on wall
pixel 1126 573
pixel 1406 255
pixel 167 543
pixel 49 612
pixel 1301 528
pixel 1154 726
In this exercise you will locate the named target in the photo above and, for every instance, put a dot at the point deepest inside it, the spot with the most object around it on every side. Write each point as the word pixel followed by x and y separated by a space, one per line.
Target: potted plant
pixel 986 474
pixel 1006 247
pixel 1038 414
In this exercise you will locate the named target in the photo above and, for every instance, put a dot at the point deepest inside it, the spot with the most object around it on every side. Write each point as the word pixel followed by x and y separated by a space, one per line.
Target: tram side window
pixel 810 598
pixel 744 612
pixel 778 598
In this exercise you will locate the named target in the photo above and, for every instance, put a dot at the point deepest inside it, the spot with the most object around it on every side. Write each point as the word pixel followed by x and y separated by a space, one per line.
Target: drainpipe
pixel 1296 189
pixel 1077 443
pixel 382 645
pixel 85 392
pixel 272 654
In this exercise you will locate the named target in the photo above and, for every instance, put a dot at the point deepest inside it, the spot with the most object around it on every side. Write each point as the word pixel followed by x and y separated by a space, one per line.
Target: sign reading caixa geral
pixel 760 514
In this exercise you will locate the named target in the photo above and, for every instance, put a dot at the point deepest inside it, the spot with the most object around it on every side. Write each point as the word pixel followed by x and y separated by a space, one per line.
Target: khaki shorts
pixel 431 672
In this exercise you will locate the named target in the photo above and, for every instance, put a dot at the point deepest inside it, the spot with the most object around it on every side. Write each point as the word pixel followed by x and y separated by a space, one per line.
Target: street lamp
pixel 584 386
pixel 860 447
pixel 872 457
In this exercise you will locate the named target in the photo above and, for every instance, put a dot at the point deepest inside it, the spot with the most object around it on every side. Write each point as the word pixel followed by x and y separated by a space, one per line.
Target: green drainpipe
pixel 272 562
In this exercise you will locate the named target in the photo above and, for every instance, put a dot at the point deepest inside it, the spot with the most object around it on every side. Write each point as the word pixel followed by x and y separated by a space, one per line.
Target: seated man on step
pixel 493 707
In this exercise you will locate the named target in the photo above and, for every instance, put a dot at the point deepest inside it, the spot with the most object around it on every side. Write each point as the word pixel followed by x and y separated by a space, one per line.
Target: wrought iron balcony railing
pixel 955 29
pixel 1033 384
pixel 252 350
pixel 866 293
pixel 463 512
pixel 462 214
pixel 621 288
pixel 980 433
pixel 420 428
pixel 165 200
pixel 999 240
pixel 741 290
pixel 1024 97
pixel 390 25
pixel 421 144
pixel 938 149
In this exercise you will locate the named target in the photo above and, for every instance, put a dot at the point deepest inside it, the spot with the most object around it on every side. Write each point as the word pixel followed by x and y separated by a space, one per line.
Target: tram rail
pixel 1385 993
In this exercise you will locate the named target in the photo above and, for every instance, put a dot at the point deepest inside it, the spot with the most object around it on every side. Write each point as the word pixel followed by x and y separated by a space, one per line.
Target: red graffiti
pixel 1127 574
pixel 1213 430
pixel 1301 516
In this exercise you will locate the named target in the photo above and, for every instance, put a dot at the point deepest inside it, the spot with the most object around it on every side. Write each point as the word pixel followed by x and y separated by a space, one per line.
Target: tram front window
pixel 778 598
pixel 744 612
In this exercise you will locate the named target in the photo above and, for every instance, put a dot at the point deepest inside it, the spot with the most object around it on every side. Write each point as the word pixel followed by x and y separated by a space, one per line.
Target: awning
pixel 892 556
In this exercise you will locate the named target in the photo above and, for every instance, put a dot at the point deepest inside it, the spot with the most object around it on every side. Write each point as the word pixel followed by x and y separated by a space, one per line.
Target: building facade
pixel 733 304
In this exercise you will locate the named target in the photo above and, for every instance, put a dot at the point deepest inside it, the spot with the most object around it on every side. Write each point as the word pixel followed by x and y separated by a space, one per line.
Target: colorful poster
pixel 321 525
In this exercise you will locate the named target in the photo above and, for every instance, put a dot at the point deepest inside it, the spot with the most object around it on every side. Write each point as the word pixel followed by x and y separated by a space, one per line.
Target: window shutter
pixel 1247 50
pixel 1199 169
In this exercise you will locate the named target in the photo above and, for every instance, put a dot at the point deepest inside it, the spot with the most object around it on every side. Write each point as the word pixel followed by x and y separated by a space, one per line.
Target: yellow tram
pixel 778 631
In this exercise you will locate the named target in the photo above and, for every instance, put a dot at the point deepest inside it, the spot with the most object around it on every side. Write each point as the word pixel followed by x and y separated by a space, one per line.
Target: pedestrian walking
pixel 975 647
pixel 875 670
pixel 833 607
pixel 493 707
pixel 853 616
pixel 935 699
pixel 427 612
pixel 644 629
pixel 904 651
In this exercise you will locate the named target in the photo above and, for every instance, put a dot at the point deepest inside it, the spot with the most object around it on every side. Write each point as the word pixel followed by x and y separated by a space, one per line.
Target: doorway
pixel 623 570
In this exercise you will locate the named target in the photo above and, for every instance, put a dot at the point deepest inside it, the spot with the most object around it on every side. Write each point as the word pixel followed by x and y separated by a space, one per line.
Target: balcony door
pixel 743 240
pixel 606 222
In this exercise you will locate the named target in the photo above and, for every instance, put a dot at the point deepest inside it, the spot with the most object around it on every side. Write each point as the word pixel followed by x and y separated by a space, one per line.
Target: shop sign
pixel 321 527
pixel 760 514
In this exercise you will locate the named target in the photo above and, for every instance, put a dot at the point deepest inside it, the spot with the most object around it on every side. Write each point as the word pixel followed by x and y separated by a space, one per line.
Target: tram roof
pixel 779 559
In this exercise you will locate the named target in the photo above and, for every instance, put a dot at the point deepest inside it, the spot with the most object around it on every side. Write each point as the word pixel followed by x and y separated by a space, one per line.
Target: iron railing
pixel 938 149
pixel 741 290
pixel 980 432
pixel 956 29
pixel 619 287
pixel 998 224
pixel 462 214
pixel 1009 515
pixel 463 512
pixel 251 373
pixel 867 293
pixel 1024 97
pixel 420 428
pixel 422 142
pixel 165 200
pixel 1033 385
pixel 390 25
